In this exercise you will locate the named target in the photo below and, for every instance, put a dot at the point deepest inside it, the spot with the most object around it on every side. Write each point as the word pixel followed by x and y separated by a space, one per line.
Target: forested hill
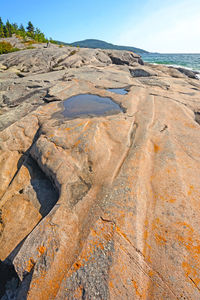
pixel 7 29
pixel 92 43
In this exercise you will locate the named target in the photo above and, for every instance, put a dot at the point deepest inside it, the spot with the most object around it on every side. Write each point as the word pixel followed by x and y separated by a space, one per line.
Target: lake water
pixel 89 105
pixel 190 61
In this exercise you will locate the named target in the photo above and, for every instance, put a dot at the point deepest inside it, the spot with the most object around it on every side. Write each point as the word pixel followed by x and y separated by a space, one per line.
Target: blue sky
pixel 166 26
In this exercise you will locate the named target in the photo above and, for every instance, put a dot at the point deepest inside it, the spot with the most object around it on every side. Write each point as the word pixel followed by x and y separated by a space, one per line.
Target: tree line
pixel 8 29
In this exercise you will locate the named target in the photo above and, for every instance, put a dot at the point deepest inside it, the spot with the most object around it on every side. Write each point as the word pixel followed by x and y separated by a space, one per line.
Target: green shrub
pixel 28 43
pixel 72 53
pixel 6 47
pixel 53 42
pixel 30 47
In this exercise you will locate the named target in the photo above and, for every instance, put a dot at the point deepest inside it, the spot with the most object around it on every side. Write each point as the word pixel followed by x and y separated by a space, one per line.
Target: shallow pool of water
pixel 118 91
pixel 89 105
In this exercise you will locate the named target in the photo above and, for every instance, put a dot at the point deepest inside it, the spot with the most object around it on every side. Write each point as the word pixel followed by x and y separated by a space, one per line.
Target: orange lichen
pixel 172 200
pixel 151 273
pixel 77 265
pixel 30 264
pixel 156 148
pixel 191 273
pixel 155 223
pixel 111 284
pixel 191 188
pixel 160 239
pixel 148 258
pixel 136 288
pixel 77 143
pixel 145 234
pixel 78 293
pixel 72 128
pixel 189 240
pixel 190 125
pixel 123 234
pixel 41 250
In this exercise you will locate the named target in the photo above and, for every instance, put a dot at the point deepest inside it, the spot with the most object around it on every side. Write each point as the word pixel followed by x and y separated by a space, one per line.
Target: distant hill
pixel 92 43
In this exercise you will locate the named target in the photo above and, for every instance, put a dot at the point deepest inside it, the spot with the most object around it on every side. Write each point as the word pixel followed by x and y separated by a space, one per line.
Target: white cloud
pixel 175 28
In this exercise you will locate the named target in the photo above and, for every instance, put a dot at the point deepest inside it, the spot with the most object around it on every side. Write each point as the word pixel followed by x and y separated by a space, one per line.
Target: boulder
pixel 188 73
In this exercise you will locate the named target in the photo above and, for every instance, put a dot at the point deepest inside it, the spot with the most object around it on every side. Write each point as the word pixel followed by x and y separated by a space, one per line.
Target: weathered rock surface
pixel 104 207
pixel 188 73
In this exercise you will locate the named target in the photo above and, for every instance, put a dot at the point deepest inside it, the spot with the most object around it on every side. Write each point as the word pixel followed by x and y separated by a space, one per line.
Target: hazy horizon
pixel 169 27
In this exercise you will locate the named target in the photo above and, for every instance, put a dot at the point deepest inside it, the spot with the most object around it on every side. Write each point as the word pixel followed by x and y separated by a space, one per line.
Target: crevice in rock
pixel 18 101
pixel 164 128
pixel 11 286
pixel 9 280
pixel 118 61
pixel 152 81
pixel 157 95
pixel 24 157
pixel 194 283
pixel 41 189
pixel 197 117
pixel 131 138
pixel 90 166
pixel 24 286
pixel 188 94
pixel 50 98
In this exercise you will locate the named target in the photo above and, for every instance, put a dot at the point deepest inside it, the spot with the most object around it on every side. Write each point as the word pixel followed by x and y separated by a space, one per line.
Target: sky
pixel 165 26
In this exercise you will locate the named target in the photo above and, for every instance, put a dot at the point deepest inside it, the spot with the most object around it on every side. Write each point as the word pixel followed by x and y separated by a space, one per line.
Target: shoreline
pixel 177 67
pixel 190 62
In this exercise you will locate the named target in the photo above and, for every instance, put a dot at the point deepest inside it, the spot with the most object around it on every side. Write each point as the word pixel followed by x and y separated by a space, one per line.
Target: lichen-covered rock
pixel 99 207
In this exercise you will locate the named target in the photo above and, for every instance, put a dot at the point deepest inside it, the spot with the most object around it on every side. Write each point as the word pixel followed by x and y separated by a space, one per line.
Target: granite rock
pixel 102 207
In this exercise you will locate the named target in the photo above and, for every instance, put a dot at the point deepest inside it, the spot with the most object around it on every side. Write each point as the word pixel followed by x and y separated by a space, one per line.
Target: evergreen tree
pixel 21 31
pixel 30 27
pixel 21 28
pixel 1 22
pixel 15 27
pixel 8 26
pixel 5 30
pixel 1 31
pixel 10 29
pixel 39 36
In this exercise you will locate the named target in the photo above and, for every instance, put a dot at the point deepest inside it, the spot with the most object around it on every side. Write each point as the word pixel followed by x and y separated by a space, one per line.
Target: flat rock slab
pixel 125 221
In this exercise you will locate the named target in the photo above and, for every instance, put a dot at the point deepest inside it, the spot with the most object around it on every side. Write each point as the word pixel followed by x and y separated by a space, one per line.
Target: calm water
pixel 118 91
pixel 190 61
pixel 89 105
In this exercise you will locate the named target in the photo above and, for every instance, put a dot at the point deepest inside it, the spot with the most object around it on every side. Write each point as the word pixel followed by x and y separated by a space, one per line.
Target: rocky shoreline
pixel 98 207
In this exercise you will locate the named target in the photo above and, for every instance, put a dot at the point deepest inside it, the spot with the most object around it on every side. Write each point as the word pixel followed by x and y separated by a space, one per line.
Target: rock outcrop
pixel 98 207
